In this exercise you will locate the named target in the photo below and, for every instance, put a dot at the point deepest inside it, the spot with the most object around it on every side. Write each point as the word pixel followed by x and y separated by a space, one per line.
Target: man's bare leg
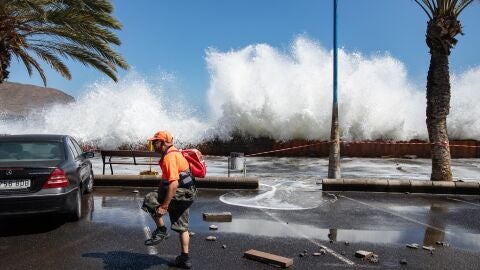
pixel 184 241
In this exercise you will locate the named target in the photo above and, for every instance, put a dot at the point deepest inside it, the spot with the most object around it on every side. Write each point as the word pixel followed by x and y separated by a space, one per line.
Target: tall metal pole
pixel 334 158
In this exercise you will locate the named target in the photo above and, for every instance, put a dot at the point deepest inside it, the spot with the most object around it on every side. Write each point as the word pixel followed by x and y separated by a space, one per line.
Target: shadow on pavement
pixel 12 226
pixel 127 260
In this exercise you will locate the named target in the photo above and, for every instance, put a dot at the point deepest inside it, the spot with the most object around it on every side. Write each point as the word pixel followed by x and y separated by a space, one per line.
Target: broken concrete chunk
pixel 323 251
pixel 429 248
pixel 211 238
pixel 218 217
pixel 403 261
pixel 224 246
pixel 317 254
pixel 268 258
pixel 441 243
pixel 373 258
pixel 414 246
pixel 302 255
pixel 363 254
pixel 213 227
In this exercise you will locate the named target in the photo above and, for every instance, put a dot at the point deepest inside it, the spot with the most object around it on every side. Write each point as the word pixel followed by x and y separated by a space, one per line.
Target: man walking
pixel 174 196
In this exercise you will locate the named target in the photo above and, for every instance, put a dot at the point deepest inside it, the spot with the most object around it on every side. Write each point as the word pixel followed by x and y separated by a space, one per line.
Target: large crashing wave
pixel 261 91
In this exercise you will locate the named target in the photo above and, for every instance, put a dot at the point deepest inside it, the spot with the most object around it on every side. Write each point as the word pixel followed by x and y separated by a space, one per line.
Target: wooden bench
pixel 107 156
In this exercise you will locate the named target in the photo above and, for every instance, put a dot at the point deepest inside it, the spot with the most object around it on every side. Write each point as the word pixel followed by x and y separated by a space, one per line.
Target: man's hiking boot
pixel 181 262
pixel 157 236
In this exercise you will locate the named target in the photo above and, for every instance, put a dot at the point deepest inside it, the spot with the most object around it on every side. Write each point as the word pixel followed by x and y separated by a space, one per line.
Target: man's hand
pixel 161 210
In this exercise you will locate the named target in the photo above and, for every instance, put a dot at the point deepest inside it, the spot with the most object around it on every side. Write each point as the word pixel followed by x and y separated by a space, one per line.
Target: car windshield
pixel 35 151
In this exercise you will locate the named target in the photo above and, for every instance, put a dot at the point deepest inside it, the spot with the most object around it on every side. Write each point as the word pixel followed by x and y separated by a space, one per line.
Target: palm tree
pixel 55 30
pixel 442 27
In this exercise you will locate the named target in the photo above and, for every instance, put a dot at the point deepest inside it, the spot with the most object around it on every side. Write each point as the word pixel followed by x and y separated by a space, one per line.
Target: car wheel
pixel 89 186
pixel 76 212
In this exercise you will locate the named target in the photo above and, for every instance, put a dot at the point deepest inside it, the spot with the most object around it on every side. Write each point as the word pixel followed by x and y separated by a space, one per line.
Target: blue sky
pixel 171 36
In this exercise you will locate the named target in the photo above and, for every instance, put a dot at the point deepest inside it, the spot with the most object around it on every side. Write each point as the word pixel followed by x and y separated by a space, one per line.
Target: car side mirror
pixel 88 154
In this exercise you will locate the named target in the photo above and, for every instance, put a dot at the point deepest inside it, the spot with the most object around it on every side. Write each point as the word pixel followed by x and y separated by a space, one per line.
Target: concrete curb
pixel 218 182
pixel 396 185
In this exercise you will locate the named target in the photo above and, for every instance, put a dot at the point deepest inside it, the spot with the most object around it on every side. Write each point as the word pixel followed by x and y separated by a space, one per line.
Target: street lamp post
pixel 334 157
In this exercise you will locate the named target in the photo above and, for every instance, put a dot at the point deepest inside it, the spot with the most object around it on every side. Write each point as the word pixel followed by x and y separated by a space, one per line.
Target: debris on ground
pixel 191 233
pixel 444 244
pixel 323 251
pixel 301 255
pixel 414 246
pixel 342 252
pixel 429 248
pixel 218 217
pixel 331 241
pixel 403 261
pixel 211 238
pixel 224 246
pixel 213 227
pixel 317 254
pixel 347 243
pixel 373 258
pixel 135 191
pixel 363 254
pixel 268 258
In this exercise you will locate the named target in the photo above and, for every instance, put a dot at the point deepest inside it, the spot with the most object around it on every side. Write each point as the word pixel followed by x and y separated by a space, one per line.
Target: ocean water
pixel 260 90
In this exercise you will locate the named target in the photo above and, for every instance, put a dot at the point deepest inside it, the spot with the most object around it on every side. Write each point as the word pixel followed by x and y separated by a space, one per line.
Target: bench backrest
pixel 128 153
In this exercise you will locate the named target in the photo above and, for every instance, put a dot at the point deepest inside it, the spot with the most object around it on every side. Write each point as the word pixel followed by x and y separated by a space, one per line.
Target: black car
pixel 43 174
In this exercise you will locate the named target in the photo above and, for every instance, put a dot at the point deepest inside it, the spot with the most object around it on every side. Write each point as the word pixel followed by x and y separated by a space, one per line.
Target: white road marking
pixel 458 200
pixel 330 251
pixel 395 214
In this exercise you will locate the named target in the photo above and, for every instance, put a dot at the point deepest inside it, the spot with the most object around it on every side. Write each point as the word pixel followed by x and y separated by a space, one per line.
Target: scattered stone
pixel 268 258
pixel 363 254
pixel 399 168
pixel 224 246
pixel 213 227
pixel 135 191
pixel 191 233
pixel 347 243
pixel 317 254
pixel 218 217
pixel 331 241
pixel 414 246
pixel 323 251
pixel 444 244
pixel 211 238
pixel 373 258
pixel 403 261
pixel 301 255
pixel 429 248
pixel 305 251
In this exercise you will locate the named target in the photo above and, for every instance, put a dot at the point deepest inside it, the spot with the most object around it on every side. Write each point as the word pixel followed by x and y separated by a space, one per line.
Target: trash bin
pixel 237 161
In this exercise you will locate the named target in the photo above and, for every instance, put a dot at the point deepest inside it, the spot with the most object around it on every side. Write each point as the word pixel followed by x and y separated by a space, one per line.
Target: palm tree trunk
pixel 438 106
pixel 5 58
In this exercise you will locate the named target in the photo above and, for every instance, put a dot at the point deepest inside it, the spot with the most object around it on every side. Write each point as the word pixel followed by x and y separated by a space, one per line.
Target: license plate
pixel 15 184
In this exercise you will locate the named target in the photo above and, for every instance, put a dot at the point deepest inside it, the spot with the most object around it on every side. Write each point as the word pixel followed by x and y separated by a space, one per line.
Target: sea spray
pixel 261 91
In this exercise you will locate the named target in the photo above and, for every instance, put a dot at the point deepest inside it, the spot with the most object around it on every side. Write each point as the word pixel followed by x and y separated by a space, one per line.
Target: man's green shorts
pixel 178 210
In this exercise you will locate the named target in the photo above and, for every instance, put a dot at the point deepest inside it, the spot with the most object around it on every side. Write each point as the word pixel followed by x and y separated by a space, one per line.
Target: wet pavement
pixel 111 233
pixel 288 214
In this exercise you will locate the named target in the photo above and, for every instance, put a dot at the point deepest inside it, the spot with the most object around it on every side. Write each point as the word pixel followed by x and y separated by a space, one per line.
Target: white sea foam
pixel 260 90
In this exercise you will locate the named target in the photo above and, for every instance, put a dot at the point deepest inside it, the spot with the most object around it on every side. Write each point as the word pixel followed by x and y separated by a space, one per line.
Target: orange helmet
pixel 163 136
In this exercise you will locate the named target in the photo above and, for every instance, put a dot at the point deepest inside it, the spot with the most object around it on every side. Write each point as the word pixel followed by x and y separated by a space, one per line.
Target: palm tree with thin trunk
pixel 442 27
pixel 55 30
